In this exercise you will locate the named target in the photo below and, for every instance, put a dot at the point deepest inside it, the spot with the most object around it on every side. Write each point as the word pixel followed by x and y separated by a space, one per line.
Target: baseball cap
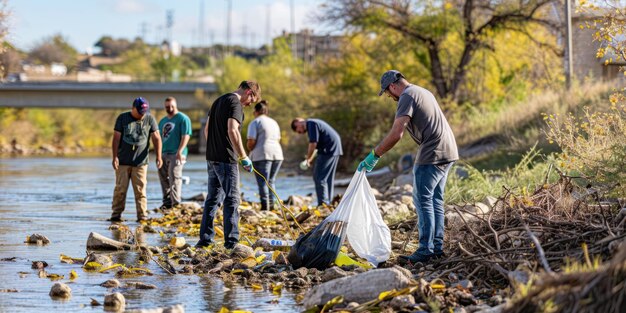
pixel 142 105
pixel 388 78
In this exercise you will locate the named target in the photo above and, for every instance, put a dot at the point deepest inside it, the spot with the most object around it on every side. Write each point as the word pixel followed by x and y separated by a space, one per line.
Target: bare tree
pixel 427 24
pixel 54 49
pixel 4 14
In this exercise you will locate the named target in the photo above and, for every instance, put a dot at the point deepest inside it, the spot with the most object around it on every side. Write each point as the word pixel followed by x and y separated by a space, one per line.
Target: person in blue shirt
pixel 175 129
pixel 326 141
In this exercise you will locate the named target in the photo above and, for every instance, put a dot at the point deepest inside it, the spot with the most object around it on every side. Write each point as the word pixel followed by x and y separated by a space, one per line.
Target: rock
pixel 333 273
pixel 298 282
pixel 96 241
pixel 298 201
pixel 115 301
pixel 453 278
pixel 358 288
pixel 104 260
pixel 405 179
pixel 463 297
pixel 155 250
pixel 141 285
pixel 39 265
pixel 111 283
pixel 400 302
pixel 242 251
pixel 179 308
pixel 301 272
pixel 459 310
pixel 177 242
pixel 477 308
pixel 482 208
pixel 490 201
pixel 60 290
pixel 377 194
pixel 37 239
pixel 465 284
pixel 495 300
pixel 199 197
pixel 352 305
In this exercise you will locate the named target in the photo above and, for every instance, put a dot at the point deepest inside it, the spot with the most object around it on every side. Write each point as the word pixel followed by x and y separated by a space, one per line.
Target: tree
pixel 433 28
pixel 10 59
pixel 54 49
pixel 4 14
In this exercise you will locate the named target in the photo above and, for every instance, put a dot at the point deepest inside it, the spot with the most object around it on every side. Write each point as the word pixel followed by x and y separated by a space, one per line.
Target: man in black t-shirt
pixel 224 150
pixel 130 157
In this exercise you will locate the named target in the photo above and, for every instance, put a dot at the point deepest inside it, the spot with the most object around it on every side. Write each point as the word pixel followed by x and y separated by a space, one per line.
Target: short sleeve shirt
pixel 428 126
pixel 134 146
pixel 266 132
pixel 172 131
pixel 328 140
pixel 219 147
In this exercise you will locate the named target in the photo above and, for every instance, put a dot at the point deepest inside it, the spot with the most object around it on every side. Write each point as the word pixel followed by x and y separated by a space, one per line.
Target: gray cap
pixel 388 78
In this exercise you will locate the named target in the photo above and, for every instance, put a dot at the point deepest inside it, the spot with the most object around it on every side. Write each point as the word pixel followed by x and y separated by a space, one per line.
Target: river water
pixel 67 198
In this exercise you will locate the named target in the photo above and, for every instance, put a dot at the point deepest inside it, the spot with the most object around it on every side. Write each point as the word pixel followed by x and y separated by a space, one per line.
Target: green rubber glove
pixel 369 162
pixel 246 164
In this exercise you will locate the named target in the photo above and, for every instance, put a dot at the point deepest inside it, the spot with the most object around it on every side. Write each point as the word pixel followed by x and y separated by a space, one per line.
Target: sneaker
pixel 414 258
pixel 115 219
pixel 202 244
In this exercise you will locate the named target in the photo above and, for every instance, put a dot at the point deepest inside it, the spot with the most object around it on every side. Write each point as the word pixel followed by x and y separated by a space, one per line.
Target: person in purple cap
pixel 130 157
pixel 419 113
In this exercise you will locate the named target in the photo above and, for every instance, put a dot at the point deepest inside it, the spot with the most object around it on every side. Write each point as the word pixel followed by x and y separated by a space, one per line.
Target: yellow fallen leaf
pixel 386 294
pixel 177 242
pixel 218 231
pixel 330 304
pixel 91 266
pixel 249 261
pixel 55 276
pixel 236 271
pixel 69 260
pixel 73 275
pixel 116 265
pixel 275 254
pixel 317 213
pixel 437 284
pixel 260 258
pixel 223 310
pixel 256 286
pixel 277 288
pixel 161 233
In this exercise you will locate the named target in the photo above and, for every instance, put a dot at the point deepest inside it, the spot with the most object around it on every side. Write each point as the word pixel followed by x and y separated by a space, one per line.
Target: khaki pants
pixel 138 176
pixel 171 177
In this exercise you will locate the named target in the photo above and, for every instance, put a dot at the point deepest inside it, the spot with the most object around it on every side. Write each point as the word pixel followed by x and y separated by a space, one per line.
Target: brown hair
pixel 262 107
pixel 251 85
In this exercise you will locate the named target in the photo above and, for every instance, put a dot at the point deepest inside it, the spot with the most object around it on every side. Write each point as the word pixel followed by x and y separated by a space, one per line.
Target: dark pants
pixel 223 181
pixel 269 169
pixel 324 177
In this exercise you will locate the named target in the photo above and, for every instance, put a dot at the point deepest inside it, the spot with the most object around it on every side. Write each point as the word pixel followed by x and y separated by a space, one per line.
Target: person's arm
pixel 156 141
pixel 235 137
pixel 309 153
pixel 183 143
pixel 115 143
pixel 206 129
pixel 251 143
pixel 394 135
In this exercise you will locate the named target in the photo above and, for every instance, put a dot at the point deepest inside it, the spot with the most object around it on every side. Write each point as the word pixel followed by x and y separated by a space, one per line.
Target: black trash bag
pixel 319 247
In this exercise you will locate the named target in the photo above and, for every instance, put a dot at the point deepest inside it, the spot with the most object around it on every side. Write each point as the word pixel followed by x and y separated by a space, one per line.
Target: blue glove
pixel 369 162
pixel 246 164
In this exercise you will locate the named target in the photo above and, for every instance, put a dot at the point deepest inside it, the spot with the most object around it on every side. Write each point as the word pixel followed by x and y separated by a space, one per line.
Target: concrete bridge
pixel 103 95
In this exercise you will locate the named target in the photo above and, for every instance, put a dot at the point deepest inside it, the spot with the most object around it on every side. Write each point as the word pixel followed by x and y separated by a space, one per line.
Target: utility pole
pixel 294 38
pixel 228 21
pixel 267 27
pixel 201 25
pixel 169 24
pixel 569 59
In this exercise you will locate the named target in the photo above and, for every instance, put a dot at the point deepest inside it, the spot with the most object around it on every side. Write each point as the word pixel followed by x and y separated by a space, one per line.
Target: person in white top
pixel 265 151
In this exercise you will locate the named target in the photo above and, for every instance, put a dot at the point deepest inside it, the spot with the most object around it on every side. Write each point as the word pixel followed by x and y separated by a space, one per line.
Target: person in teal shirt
pixel 175 129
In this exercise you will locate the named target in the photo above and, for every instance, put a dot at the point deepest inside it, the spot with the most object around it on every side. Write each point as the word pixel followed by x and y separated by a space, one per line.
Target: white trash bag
pixel 356 217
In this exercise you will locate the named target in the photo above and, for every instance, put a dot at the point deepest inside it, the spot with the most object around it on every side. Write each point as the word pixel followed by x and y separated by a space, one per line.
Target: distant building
pixel 310 47
pixel 586 64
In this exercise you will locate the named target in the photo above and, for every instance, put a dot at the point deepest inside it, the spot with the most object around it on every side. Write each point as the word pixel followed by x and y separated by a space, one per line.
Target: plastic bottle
pixel 343 259
pixel 278 244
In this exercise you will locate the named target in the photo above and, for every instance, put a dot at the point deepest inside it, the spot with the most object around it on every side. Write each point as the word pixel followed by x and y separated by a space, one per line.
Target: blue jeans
pixel 223 183
pixel 428 189
pixel 324 177
pixel 269 169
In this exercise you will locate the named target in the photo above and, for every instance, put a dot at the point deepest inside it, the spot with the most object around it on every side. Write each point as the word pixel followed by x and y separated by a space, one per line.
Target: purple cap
pixel 142 105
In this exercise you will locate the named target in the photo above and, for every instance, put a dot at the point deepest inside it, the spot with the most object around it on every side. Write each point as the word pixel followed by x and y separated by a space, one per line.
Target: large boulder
pixel 359 288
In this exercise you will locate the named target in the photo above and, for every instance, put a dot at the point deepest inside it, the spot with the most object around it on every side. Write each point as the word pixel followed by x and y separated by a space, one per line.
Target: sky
pixel 83 22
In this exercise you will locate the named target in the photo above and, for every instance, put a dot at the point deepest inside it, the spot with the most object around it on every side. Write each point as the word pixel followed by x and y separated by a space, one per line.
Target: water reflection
pixel 66 199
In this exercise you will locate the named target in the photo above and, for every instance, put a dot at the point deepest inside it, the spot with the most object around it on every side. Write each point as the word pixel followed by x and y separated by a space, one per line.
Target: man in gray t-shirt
pixel 420 114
